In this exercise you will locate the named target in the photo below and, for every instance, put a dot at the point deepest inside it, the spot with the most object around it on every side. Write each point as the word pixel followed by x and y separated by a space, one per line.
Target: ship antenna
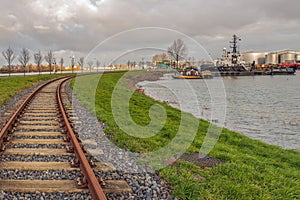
pixel 234 48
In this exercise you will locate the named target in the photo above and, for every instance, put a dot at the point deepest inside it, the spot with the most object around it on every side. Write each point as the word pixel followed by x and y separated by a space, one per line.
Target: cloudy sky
pixel 70 27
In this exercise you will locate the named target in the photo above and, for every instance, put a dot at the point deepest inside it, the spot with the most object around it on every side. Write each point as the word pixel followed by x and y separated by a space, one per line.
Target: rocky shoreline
pixel 147 76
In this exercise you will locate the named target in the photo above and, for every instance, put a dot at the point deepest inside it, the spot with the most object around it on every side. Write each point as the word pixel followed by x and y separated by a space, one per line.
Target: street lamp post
pixel 54 63
pixel 72 63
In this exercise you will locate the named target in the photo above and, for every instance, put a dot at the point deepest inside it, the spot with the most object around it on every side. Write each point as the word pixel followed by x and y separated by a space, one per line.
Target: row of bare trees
pixel 176 51
pixel 89 63
pixel 24 59
pixel 25 56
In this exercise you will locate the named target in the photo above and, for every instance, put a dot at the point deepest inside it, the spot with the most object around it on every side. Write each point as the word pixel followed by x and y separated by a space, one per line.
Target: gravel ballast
pixel 44 196
pixel 40 175
pixel 36 158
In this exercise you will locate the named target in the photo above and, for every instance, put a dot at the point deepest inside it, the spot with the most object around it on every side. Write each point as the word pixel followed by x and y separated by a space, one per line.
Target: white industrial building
pixel 270 58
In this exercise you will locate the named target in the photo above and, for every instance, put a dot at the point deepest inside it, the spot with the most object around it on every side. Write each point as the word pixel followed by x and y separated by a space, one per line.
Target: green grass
pixel 10 86
pixel 251 169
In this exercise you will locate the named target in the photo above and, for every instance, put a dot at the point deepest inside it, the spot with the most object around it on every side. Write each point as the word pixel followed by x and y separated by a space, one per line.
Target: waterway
pixel 262 107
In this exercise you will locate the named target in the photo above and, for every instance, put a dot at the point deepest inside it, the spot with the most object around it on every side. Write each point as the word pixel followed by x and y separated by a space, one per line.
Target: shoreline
pixel 143 90
pixel 133 80
pixel 254 164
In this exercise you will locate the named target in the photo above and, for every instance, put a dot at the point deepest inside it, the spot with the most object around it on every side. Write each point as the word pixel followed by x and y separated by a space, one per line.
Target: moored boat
pixel 188 73
pixel 187 77
pixel 193 73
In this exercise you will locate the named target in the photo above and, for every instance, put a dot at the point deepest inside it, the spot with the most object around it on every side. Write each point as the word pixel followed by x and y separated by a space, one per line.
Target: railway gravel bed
pixel 145 185
pixel 37 158
pixel 44 196
pixel 37 137
pixel 49 146
pixel 40 175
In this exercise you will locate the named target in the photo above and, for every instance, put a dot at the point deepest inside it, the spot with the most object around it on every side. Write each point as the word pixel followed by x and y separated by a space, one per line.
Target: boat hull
pixel 188 77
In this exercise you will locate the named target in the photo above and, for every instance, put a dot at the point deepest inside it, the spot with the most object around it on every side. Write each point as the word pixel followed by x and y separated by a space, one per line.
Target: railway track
pixel 40 153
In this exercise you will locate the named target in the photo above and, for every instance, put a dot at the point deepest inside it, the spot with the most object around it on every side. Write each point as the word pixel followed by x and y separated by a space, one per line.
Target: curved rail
pixel 8 125
pixel 89 176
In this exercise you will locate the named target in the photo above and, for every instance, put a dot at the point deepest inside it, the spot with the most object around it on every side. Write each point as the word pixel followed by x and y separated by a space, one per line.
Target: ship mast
pixel 234 42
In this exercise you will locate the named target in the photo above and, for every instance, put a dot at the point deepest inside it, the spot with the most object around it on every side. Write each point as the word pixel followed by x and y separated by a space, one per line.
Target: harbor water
pixel 262 107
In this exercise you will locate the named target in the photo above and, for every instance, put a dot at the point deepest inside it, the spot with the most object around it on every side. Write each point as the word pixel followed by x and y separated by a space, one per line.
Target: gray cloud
pixel 78 26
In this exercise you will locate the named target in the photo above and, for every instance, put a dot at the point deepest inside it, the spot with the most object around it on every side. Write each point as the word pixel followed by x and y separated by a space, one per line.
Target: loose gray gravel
pixel 40 175
pixel 36 158
pixel 43 196
pixel 36 137
pixel 144 185
pixel 50 146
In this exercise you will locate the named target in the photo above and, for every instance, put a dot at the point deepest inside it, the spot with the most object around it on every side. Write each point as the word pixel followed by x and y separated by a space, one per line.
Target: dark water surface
pixel 262 107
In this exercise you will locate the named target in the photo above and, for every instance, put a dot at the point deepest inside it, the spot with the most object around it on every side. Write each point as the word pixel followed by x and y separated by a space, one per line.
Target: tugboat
pixel 193 73
pixel 189 73
pixel 231 66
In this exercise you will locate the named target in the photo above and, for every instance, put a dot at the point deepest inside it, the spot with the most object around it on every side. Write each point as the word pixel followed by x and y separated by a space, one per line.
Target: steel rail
pixel 8 125
pixel 89 176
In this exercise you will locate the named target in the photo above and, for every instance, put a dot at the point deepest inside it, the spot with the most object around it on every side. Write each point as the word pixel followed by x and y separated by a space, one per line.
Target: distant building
pixel 164 63
pixel 270 58
pixel 253 56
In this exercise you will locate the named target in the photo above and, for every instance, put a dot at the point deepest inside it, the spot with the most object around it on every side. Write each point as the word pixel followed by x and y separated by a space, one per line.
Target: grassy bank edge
pixel 11 86
pixel 251 170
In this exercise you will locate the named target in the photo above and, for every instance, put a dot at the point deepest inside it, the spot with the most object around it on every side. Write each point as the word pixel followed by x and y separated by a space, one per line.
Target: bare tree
pixel 49 58
pixel 9 57
pixel 61 62
pixel 177 50
pixel 160 57
pixel 134 64
pixel 128 64
pixel 38 59
pixel 98 64
pixel 81 63
pixel 90 64
pixel 24 58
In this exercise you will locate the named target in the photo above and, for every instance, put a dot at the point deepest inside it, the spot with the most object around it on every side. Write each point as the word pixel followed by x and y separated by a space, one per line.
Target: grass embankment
pixel 251 169
pixel 10 86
